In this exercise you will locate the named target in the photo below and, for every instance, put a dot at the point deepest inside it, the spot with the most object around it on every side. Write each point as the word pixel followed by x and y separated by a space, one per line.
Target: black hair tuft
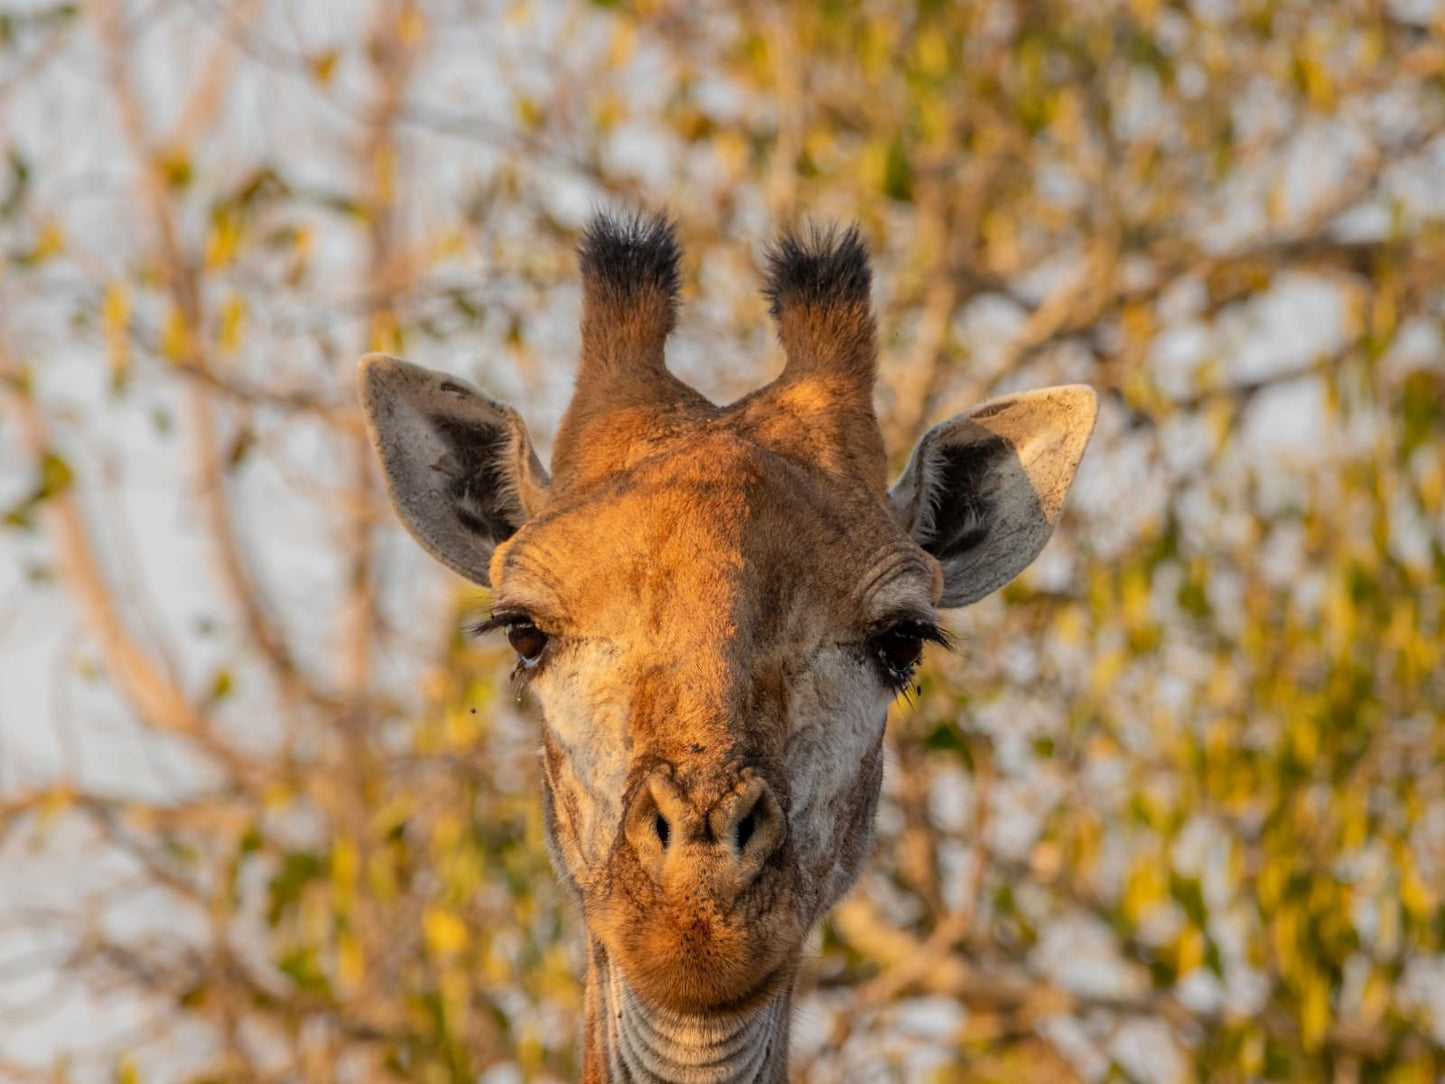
pixel 817 266
pixel 624 255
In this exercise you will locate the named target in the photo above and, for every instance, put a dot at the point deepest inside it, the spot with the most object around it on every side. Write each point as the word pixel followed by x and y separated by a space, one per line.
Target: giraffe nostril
pixel 752 825
pixel 745 829
pixel 662 828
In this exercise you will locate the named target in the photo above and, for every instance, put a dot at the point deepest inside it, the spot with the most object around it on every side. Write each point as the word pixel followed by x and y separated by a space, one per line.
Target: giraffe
pixel 714 607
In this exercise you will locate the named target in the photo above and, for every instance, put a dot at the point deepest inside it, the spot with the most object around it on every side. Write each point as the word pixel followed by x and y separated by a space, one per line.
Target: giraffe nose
pixel 721 848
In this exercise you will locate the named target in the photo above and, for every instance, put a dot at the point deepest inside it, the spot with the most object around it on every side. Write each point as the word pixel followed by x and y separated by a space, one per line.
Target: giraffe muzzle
pixel 712 848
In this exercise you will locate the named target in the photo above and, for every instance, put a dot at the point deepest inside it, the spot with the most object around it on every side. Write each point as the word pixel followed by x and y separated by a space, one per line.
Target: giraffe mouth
pixel 688 956
pixel 696 987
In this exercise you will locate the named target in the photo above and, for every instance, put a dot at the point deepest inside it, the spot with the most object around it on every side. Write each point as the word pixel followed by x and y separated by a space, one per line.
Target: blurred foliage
pixel 1175 810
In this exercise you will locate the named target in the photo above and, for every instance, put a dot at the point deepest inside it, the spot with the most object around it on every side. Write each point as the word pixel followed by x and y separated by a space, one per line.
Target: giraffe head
pixel 715 605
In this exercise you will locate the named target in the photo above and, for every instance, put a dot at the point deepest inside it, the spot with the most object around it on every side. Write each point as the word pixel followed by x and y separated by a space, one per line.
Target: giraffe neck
pixel 631 1041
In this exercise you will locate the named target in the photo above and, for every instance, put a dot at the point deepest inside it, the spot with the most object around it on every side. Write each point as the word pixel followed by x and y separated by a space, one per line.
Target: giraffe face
pixel 713 605
pixel 714 636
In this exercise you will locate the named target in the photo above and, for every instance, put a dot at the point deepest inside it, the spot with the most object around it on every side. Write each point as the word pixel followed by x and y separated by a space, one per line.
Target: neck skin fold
pixel 631 1042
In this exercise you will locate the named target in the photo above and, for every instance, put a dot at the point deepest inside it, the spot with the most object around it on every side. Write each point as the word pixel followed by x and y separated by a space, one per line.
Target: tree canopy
pixel 1174 809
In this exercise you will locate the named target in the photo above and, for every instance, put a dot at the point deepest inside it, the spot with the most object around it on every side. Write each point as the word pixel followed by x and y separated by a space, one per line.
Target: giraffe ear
pixel 459 467
pixel 983 491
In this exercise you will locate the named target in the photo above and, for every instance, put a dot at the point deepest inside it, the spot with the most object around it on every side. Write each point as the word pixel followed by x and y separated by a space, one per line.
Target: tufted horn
pixel 630 282
pixel 821 406
pixel 818 284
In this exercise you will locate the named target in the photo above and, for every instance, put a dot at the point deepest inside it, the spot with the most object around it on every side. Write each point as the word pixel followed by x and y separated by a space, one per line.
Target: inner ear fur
pixel 459 467
pixel 983 491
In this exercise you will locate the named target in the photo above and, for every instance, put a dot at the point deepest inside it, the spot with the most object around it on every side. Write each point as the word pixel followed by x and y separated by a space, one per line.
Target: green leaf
pixel 54 477
pixel 221 685
pixel 302 968
pixel 898 174
pixel 298 869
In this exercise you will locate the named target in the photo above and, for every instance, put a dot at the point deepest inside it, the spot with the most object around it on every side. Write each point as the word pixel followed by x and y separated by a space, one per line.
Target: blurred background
pixel 1174 811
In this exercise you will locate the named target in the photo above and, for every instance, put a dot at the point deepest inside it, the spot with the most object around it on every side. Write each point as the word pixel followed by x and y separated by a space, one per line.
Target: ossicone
pixel 630 281
pixel 818 284
pixel 631 275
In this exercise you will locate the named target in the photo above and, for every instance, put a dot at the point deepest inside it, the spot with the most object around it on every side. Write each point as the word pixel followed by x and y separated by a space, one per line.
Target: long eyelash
pixel 498 619
pixel 930 633
pixel 926 630
pixel 908 692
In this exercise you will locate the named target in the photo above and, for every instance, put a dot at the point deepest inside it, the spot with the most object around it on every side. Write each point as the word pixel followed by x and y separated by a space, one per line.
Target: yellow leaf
pixel 1354 818
pixel 223 241
pixel 1432 487
pixel 1134 592
pixel 1189 950
pixel 1314 1011
pixel 115 318
pixel 176 341
pixel 463 728
pixel 1376 997
pixel 345 862
pixel 381 878
pixel 446 832
pixel 384 171
pixel 455 988
pixel 323 66
pixel 531 1054
pixel 1415 895
pixel 350 961
pixel 116 308
pixel 57 800
pixel 934 121
pixel 873 164
pixel 51 241
pixel 1304 736
pixel 623 44
pixel 1284 934
pixel 385 334
pixel 1275 201
pixel 1070 625
pixel 411 27
pixel 450 244
pixel 607 111
pixel 732 151
pixel 1383 313
pixel 175 168
pixel 1145 888
pixel 530 113
pixel 1108 665
pixel 1319 87
pixel 1046 859
pixel 931 50
pixel 233 320
pixel 445 933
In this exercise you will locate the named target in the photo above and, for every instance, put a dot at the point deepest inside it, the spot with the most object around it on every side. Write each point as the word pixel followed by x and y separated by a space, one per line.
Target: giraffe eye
pixel 898 650
pixel 527 641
